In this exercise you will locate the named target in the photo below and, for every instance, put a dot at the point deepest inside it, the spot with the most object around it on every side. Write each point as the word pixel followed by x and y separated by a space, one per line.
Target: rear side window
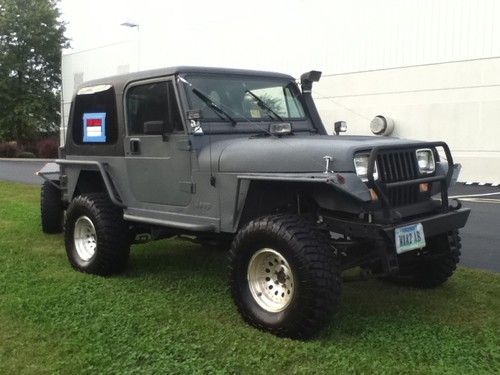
pixel 152 109
pixel 94 118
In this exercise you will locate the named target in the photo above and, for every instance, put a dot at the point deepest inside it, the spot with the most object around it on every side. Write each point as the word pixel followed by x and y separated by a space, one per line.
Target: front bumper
pixel 380 237
pixel 433 225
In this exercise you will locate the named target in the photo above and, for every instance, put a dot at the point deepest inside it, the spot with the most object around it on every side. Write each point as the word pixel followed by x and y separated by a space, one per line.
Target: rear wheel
pixel 436 265
pixel 284 276
pixel 96 236
pixel 52 210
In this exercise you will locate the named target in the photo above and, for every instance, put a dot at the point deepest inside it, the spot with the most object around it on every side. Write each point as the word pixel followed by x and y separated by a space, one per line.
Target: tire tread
pixel 112 234
pixel 436 271
pixel 322 290
pixel 51 208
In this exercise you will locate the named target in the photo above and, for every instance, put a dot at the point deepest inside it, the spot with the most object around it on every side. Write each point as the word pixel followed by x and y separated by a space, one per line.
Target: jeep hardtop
pixel 240 159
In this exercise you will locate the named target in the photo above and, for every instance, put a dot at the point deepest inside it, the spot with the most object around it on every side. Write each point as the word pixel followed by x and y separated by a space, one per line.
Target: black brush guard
pixel 380 236
pixel 381 187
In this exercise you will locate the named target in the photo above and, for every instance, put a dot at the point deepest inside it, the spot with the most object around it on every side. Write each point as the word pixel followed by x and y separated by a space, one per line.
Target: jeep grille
pixel 399 165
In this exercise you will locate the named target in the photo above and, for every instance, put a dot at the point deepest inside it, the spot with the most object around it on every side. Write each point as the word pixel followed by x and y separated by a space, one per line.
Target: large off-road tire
pixel 51 208
pixel 437 263
pixel 284 276
pixel 96 236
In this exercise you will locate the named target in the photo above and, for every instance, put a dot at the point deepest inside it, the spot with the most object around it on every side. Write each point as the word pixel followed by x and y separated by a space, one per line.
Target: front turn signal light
pixel 424 187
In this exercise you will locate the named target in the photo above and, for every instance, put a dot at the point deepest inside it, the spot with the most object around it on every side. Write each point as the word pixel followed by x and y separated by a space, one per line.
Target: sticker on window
pixel 94 127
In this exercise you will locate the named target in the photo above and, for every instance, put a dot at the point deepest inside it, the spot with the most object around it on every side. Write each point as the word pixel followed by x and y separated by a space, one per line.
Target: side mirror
pixel 153 127
pixel 340 127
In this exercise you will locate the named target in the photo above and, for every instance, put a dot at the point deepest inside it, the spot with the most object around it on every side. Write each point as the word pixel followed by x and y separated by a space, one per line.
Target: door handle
pixel 135 146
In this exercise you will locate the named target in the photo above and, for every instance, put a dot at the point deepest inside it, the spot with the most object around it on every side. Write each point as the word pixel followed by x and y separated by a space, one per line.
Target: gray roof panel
pixel 120 81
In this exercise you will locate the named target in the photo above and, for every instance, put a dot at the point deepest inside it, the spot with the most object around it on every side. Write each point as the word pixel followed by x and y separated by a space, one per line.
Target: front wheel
pixel 284 276
pixel 436 265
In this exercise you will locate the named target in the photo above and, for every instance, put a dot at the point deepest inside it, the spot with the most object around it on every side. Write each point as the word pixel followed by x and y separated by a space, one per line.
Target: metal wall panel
pixel 401 44
pixel 457 102
pixel 388 34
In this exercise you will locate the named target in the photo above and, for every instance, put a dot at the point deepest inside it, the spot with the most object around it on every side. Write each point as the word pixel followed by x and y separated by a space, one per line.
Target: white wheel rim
pixel 85 238
pixel 270 279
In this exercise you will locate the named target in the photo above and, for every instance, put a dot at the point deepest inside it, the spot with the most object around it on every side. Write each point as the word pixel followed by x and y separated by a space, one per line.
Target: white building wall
pixel 388 34
pixel 334 36
pixel 456 102
pixel 338 37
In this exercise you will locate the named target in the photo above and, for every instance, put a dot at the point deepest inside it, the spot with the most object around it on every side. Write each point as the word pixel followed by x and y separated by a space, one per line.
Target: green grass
pixel 171 312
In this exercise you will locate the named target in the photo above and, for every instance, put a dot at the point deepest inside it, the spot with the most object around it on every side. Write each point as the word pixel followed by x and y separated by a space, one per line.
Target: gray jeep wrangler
pixel 240 159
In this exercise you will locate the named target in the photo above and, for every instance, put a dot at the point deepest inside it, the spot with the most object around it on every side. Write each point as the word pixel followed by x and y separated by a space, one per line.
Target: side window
pixel 152 109
pixel 94 118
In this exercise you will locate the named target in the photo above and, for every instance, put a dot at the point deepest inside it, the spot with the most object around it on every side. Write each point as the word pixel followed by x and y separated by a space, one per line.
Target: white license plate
pixel 409 238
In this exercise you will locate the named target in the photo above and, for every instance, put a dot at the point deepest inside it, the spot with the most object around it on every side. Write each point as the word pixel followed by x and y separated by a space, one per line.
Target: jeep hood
pixel 290 154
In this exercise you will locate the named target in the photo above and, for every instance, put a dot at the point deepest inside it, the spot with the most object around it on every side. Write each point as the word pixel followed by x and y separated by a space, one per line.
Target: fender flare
pixel 346 183
pixel 101 167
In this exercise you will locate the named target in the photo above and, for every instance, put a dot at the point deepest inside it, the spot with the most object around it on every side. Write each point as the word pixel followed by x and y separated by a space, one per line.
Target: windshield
pixel 245 98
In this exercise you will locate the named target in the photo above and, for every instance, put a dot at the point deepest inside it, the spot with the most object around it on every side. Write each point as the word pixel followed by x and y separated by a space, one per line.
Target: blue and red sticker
pixel 94 127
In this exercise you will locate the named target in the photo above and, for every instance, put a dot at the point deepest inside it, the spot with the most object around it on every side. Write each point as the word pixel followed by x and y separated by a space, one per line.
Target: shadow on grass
pixel 176 257
pixel 365 303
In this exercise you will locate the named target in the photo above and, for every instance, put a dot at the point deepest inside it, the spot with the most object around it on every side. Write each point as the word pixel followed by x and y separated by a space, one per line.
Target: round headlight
pixel 425 159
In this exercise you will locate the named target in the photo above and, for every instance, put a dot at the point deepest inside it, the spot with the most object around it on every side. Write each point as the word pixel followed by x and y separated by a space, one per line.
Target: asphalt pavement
pixel 480 237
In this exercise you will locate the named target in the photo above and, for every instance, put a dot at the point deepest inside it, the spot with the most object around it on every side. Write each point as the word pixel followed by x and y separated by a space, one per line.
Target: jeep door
pixel 157 159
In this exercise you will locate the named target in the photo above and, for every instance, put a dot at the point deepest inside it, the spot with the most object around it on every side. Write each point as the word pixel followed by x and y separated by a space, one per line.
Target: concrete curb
pixel 27 160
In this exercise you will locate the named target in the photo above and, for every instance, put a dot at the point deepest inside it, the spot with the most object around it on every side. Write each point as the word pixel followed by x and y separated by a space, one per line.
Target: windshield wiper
pixel 211 104
pixel 262 104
